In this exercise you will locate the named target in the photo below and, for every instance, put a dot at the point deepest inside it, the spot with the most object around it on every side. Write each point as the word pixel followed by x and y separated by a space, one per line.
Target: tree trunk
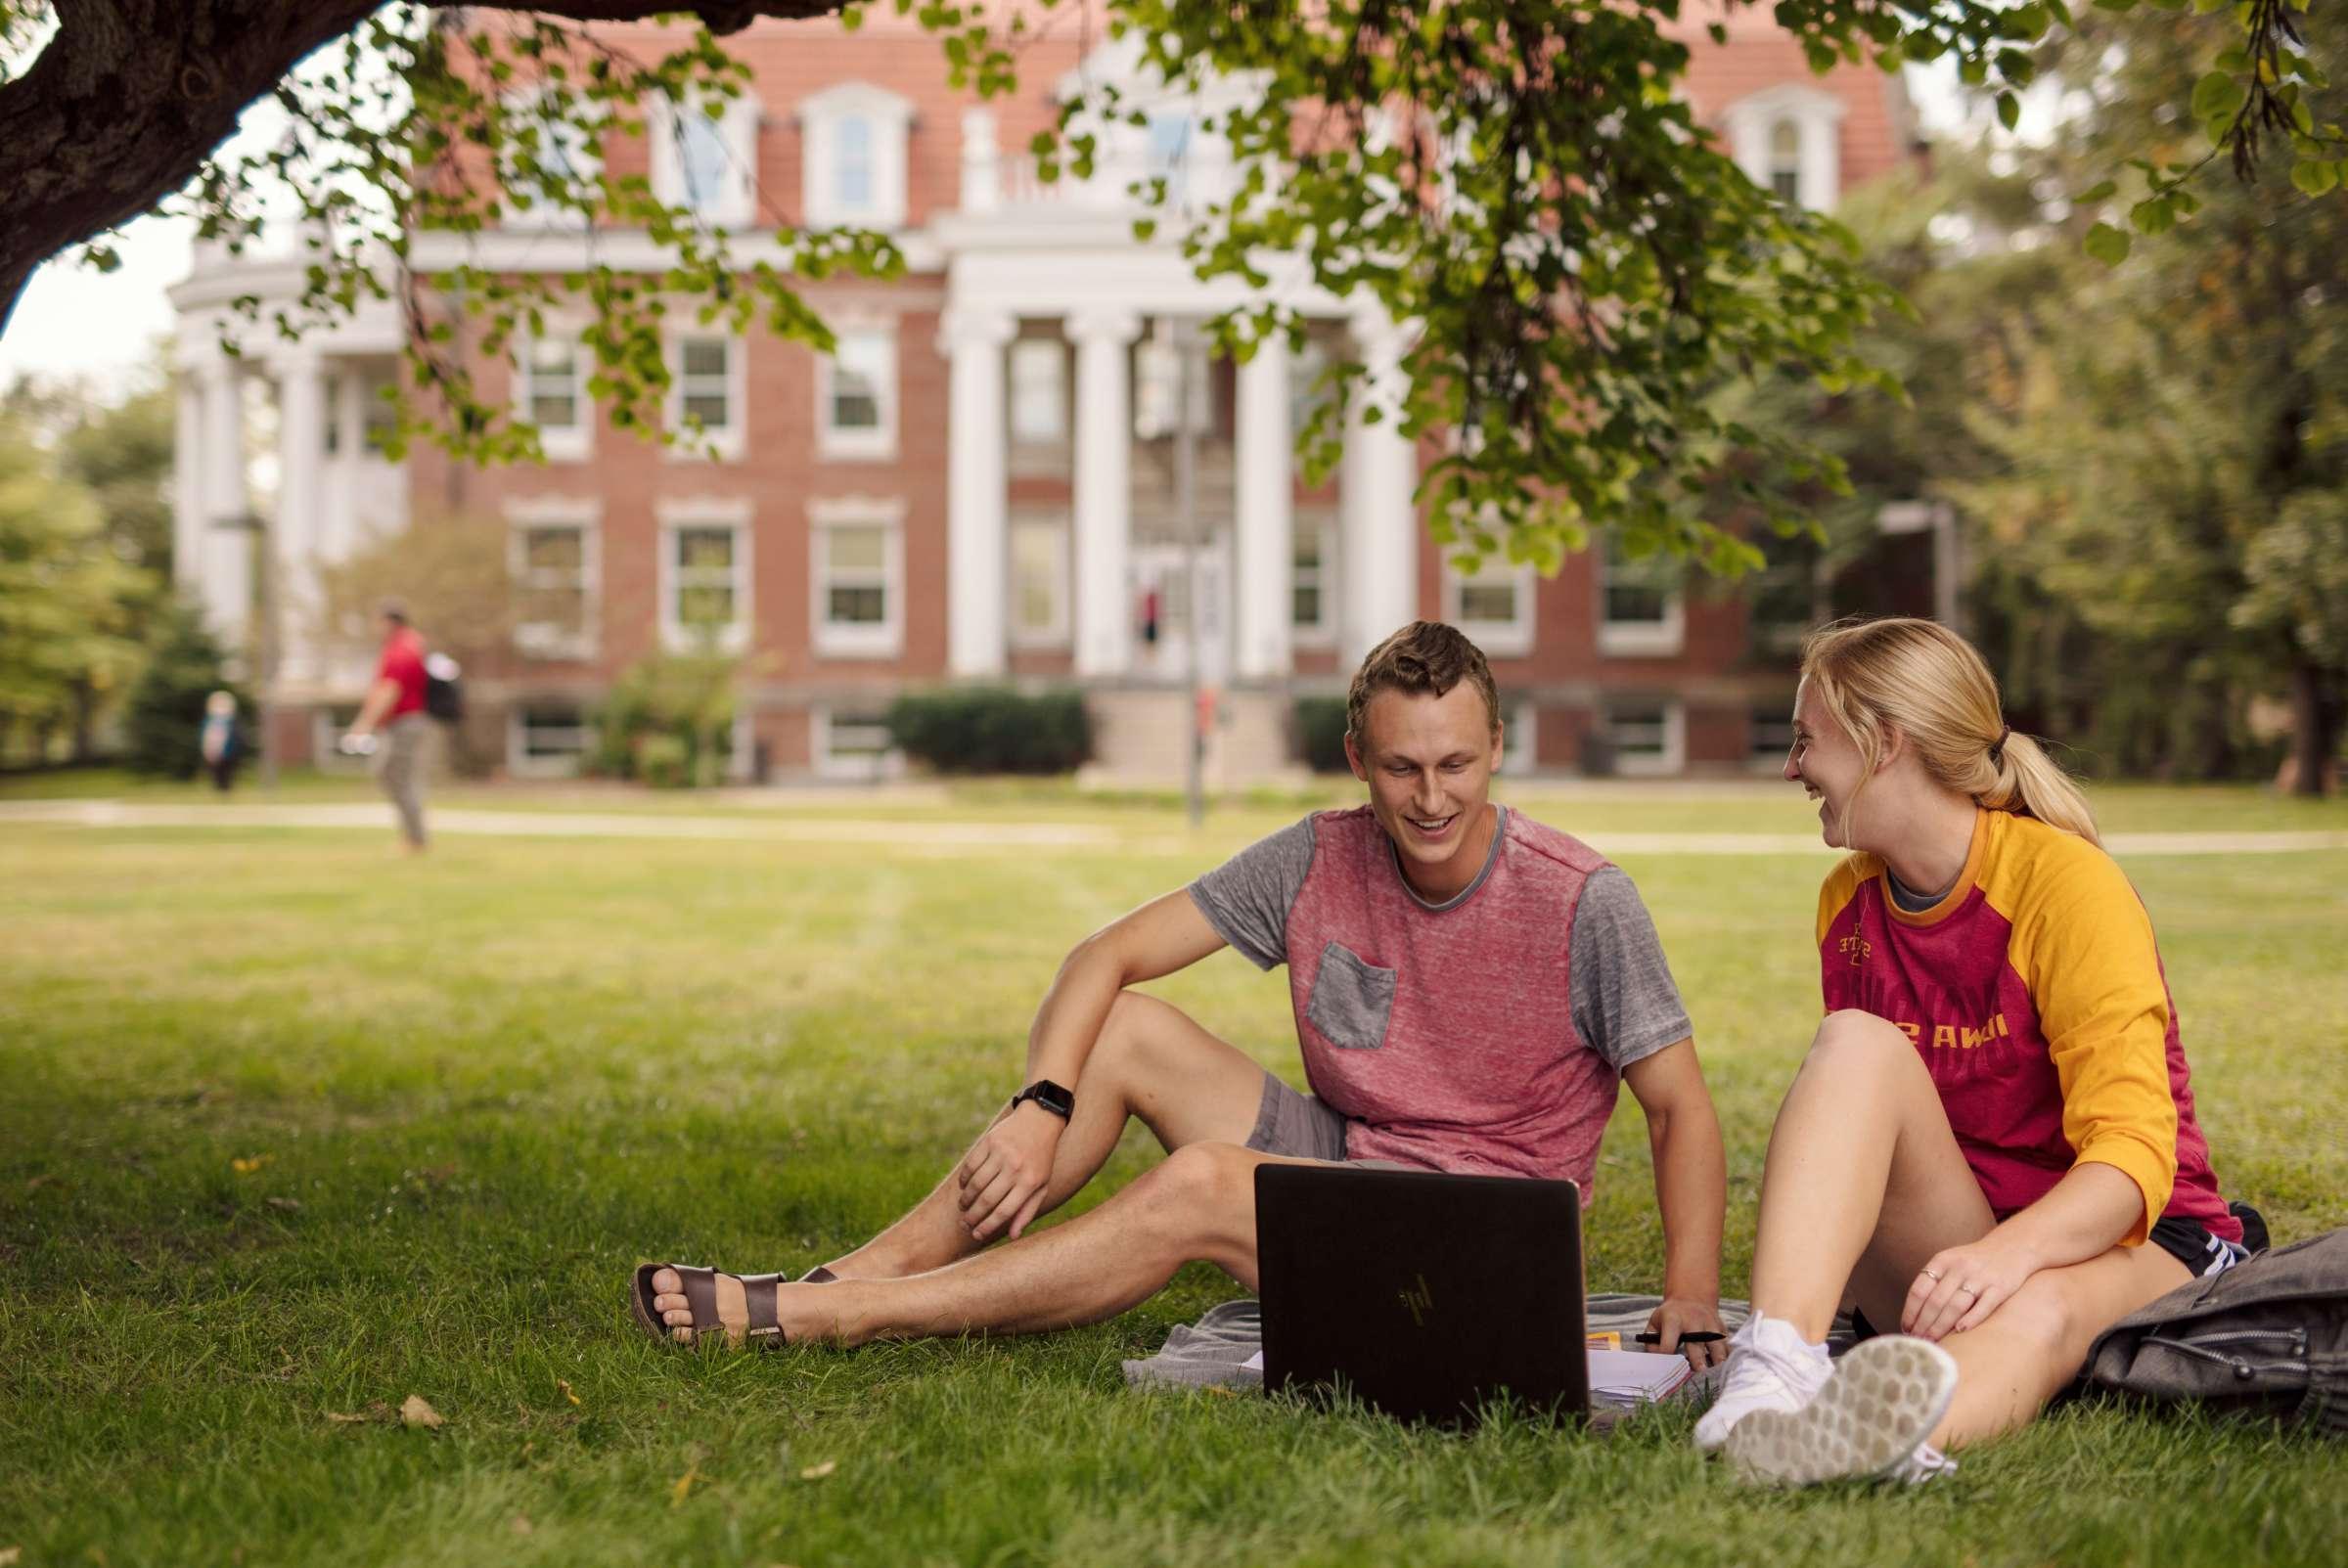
pixel 2315 729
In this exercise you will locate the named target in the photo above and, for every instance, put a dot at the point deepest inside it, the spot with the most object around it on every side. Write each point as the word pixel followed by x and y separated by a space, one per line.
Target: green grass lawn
pixel 293 1129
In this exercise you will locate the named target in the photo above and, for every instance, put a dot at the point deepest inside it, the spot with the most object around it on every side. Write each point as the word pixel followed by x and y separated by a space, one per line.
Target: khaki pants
pixel 399 769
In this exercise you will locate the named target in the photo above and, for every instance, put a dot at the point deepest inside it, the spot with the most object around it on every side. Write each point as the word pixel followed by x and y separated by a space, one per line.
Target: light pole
pixel 264 633
pixel 1184 335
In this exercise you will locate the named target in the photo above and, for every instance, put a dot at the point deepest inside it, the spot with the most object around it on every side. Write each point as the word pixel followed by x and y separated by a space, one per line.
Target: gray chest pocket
pixel 1352 1002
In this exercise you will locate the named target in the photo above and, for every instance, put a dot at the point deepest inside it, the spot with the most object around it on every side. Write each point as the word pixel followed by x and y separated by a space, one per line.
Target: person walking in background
pixel 217 740
pixel 394 709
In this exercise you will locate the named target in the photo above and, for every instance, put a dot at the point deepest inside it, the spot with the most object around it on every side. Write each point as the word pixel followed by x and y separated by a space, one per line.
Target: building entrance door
pixel 1188 610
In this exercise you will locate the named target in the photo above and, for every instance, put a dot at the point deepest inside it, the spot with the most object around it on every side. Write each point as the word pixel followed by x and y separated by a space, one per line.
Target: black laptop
pixel 1426 1296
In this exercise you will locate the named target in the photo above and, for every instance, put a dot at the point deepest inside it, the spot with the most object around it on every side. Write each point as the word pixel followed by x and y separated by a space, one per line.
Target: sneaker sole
pixel 1883 1401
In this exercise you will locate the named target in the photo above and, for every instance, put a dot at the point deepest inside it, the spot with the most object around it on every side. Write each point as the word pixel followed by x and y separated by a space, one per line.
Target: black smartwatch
pixel 1049 1094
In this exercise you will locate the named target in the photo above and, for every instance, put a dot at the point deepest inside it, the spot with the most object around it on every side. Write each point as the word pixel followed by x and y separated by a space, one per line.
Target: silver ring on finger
pixel 1932 1274
pixel 1967 1290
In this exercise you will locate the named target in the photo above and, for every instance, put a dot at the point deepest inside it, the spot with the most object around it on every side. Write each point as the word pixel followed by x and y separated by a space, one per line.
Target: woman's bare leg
pixel 1863 1174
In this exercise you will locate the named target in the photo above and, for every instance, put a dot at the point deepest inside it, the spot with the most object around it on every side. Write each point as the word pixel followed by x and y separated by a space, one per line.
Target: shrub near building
pixel 993 729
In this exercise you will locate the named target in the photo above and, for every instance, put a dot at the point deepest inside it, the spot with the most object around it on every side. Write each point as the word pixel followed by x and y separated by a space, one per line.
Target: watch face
pixel 1052 1098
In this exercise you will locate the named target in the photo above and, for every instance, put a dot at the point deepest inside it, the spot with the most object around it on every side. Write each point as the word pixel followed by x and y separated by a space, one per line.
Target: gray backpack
pixel 2269 1337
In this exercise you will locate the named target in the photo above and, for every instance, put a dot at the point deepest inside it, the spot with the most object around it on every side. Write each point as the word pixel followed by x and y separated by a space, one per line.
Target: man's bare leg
pixel 1200 1204
pixel 1151 1062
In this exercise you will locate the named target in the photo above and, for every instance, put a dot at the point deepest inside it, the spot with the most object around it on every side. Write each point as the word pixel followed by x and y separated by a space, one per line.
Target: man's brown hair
pixel 1425 658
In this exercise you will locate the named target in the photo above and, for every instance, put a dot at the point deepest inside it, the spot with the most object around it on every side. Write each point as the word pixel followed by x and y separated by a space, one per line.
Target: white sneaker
pixel 1926 1463
pixel 1870 1420
pixel 1771 1368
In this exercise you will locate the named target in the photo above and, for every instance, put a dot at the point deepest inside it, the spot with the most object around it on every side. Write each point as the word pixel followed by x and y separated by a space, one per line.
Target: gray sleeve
pixel 1247 898
pixel 1624 1001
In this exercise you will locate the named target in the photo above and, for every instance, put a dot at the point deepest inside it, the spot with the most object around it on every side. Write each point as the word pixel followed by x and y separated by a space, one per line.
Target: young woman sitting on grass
pixel 1995 1114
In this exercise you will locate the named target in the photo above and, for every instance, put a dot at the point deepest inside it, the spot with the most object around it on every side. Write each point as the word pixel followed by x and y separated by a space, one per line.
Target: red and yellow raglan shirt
pixel 2035 994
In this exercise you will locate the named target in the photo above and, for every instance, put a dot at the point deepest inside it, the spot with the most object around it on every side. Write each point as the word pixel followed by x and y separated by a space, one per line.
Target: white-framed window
pixel 549 391
pixel 852 151
pixel 545 155
pixel 1788 138
pixel 704 163
pixel 554 562
pixel 858 576
pixel 1642 609
pixel 856 396
pixel 707 394
pixel 1039 391
pixel 1493 606
pixel 1039 580
pixel 1520 748
pixel 854 742
pixel 547 738
pixel 1157 383
pixel 704 575
pixel 1647 736
pixel 1769 734
pixel 1313 579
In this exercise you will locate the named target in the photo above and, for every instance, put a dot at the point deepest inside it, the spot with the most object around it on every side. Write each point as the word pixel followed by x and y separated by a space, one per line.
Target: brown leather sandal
pixel 699 1286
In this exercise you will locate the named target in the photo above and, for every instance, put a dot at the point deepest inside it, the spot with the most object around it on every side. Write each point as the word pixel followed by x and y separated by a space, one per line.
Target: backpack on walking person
pixel 443 689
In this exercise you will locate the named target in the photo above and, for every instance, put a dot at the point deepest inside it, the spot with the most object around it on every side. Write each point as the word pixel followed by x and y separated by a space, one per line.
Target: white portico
pixel 1022 258
pixel 275 450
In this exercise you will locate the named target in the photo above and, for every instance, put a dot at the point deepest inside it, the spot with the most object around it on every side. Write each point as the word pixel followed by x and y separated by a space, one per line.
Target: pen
pixel 1695 1337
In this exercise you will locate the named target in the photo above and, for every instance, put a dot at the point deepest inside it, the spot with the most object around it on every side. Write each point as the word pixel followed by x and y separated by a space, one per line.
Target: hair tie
pixel 1996 747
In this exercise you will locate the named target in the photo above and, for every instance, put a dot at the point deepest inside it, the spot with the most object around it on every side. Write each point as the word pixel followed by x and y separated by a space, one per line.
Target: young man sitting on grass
pixel 1468 987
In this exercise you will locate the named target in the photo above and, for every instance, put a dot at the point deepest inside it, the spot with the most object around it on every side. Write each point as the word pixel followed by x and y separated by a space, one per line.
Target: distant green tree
pixel 64 634
pixel 166 709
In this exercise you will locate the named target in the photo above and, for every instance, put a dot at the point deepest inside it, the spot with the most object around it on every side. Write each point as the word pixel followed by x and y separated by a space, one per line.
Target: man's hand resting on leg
pixel 1004 1176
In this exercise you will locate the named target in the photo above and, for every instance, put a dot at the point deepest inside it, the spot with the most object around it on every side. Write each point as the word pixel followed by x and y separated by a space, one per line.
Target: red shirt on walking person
pixel 394 705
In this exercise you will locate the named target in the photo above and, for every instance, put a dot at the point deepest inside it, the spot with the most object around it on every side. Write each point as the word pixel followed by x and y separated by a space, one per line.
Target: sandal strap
pixel 701 1295
pixel 758 1294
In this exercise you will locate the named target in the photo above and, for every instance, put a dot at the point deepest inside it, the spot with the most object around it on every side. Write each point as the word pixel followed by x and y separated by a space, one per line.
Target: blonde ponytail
pixel 1924 680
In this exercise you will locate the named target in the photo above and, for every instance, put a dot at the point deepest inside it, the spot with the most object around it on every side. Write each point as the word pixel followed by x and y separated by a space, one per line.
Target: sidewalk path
pixel 965 838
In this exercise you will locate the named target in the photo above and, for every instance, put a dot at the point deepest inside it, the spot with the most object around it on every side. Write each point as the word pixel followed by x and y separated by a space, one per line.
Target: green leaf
pixel 2218 92
pixel 2154 216
pixel 2107 245
pixel 2100 193
pixel 2009 110
pixel 2316 178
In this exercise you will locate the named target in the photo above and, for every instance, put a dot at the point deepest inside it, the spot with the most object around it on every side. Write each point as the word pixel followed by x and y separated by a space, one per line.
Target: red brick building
pixel 979 485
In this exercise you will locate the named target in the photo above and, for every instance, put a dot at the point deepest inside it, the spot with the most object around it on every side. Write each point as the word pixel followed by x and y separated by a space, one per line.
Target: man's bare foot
pixel 675 1309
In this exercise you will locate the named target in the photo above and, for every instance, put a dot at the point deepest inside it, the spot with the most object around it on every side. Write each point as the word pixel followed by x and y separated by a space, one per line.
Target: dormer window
pixel 1788 141
pixel 852 158
pixel 545 162
pixel 708 164
pixel 1785 161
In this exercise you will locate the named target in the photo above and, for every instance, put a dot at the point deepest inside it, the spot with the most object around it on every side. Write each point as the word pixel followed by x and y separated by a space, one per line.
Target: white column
pixel 227 543
pixel 1104 490
pixel 1379 555
pixel 187 487
pixel 982 167
pixel 1267 557
pixel 977 549
pixel 296 534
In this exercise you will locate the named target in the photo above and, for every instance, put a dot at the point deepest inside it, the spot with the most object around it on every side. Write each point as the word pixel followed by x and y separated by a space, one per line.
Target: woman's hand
pixel 1957 1289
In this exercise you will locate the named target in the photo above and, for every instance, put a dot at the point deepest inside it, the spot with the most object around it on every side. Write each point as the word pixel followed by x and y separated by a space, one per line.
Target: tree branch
pixel 130 97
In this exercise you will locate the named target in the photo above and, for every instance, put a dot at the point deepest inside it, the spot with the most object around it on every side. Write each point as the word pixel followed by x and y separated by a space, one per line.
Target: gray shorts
pixel 1296 1125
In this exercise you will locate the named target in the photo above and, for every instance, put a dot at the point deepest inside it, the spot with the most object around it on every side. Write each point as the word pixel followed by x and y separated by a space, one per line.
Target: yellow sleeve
pixel 1840 887
pixel 2084 947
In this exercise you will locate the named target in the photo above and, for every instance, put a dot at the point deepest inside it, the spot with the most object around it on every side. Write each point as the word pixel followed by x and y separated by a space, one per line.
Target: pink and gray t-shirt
pixel 1486 1034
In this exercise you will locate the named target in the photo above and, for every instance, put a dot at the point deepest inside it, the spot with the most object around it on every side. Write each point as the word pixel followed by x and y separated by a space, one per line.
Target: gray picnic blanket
pixel 1214 1350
